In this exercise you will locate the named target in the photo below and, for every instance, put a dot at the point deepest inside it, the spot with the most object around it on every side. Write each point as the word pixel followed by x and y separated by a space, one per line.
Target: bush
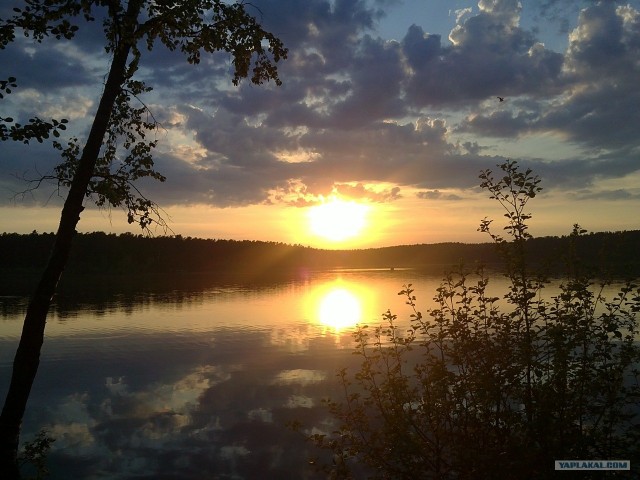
pixel 482 387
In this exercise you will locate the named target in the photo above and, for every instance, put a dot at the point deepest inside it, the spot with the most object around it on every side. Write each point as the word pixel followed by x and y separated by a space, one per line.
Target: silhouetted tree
pixel 99 168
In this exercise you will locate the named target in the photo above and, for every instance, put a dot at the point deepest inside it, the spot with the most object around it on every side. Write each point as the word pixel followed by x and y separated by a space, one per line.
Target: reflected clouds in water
pixel 225 418
pixel 200 383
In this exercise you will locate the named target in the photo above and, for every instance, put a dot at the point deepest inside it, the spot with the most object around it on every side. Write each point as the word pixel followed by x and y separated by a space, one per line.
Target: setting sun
pixel 338 220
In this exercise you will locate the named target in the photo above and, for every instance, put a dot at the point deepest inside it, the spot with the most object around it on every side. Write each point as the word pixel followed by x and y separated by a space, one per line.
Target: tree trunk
pixel 27 359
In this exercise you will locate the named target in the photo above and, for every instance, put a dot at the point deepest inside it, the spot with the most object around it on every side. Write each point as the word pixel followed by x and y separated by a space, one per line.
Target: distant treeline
pixel 617 253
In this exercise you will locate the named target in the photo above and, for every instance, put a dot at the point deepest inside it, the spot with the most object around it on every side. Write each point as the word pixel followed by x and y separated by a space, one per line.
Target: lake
pixel 194 376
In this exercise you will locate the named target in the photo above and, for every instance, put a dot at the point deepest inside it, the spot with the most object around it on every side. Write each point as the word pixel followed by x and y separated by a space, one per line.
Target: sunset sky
pixel 387 113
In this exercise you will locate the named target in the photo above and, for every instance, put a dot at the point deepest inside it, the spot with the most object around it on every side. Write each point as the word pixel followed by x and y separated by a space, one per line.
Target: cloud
pixel 357 113
pixel 376 75
pixel 28 64
pixel 499 123
pixel 599 107
pixel 618 194
pixel 490 55
pixel 437 195
pixel 362 192
pixel 560 12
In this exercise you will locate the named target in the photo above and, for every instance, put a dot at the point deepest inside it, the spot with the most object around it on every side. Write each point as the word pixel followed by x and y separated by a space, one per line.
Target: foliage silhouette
pixel 34 454
pixel 483 387
pixel 117 150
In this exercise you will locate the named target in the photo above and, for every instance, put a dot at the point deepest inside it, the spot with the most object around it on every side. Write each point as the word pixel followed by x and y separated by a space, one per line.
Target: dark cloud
pixel 421 48
pixel 356 109
pixel 363 192
pixel 618 194
pixel 28 63
pixel 501 123
pixel 376 76
pixel 600 107
pixel 21 167
pixel 490 55
pixel 437 195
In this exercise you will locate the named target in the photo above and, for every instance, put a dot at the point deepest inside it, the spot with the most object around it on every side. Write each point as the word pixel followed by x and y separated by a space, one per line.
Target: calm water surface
pixel 197 377
pixel 194 377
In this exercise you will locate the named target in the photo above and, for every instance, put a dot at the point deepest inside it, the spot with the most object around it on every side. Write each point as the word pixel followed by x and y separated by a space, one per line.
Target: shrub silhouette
pixel 487 387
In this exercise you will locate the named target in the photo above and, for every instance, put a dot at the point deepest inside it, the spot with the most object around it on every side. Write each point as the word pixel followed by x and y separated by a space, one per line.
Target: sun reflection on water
pixel 339 305
pixel 339 309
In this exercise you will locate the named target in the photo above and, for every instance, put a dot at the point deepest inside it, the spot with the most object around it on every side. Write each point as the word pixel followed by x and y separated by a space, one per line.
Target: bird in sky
pixel 500 98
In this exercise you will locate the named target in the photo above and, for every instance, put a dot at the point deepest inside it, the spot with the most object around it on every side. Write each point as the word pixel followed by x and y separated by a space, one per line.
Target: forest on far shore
pixel 614 253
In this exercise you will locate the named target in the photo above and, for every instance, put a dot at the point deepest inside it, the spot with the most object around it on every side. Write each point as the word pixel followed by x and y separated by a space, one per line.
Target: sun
pixel 338 220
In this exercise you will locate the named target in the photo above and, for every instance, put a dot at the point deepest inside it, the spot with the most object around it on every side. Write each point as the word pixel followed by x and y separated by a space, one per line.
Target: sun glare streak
pixel 338 220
